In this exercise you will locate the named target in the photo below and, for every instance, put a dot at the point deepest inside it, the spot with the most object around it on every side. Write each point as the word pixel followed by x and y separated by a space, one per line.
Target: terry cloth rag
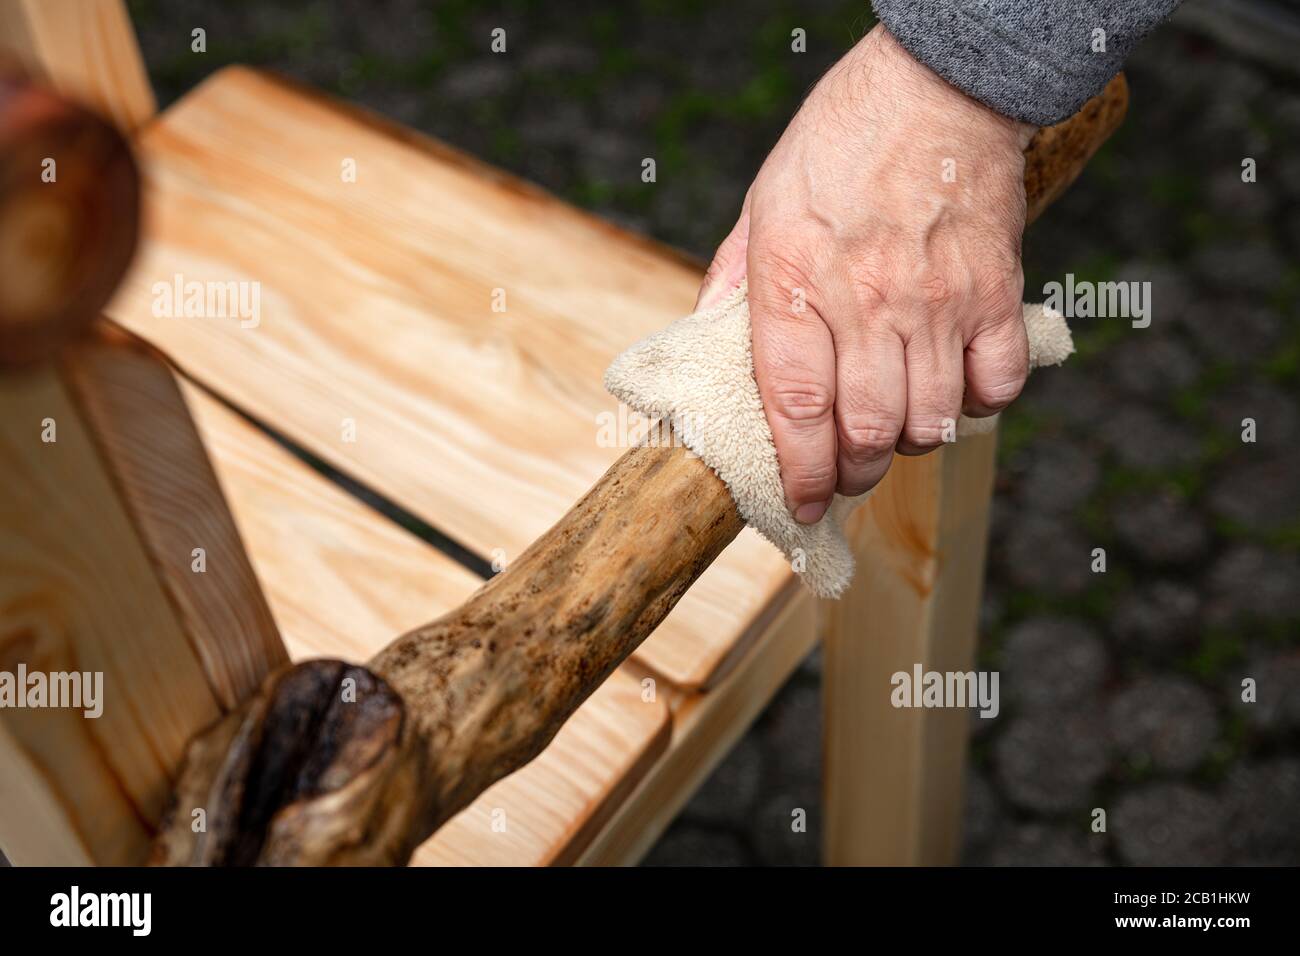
pixel 698 375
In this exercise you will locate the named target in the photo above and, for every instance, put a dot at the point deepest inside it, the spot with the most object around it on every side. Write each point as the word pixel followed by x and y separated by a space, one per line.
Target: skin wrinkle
pixel 852 207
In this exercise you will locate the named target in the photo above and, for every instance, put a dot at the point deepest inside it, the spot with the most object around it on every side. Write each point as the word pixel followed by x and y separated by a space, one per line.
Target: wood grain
pixel 69 218
pixel 86 49
pixel 145 436
pixel 78 593
pixel 705 728
pixel 377 308
pixel 314 772
pixel 894 777
pixel 342 580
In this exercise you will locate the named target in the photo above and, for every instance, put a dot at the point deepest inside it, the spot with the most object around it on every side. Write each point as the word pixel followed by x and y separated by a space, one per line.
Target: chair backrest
pixel 124 587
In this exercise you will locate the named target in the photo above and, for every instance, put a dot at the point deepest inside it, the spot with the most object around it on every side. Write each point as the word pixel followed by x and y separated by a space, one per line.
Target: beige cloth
pixel 698 374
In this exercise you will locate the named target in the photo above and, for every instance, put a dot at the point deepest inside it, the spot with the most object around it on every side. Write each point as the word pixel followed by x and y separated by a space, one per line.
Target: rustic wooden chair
pixel 378 351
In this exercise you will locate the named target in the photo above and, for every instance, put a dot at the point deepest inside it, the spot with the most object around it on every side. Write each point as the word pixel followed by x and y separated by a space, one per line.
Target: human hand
pixel 881 239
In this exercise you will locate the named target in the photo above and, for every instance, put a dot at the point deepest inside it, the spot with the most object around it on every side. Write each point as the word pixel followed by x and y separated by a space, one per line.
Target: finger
pixel 934 390
pixel 997 364
pixel 728 267
pixel 794 364
pixel 870 402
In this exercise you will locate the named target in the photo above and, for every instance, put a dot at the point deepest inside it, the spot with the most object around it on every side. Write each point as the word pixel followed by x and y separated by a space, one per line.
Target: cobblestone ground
pixel 1121 690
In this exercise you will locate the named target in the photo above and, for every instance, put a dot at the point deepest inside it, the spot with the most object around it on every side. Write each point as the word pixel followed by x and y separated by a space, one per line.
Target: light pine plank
pixel 705 728
pixel 343 581
pixel 376 307
pixel 894 776
pixel 129 399
pixel 85 49
pixel 78 593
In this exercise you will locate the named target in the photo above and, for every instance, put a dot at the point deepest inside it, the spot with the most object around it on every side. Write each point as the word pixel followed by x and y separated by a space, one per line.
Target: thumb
pixel 728 266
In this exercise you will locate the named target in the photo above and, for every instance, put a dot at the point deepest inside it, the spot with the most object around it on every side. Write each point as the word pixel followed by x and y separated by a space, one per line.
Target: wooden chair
pixel 436 330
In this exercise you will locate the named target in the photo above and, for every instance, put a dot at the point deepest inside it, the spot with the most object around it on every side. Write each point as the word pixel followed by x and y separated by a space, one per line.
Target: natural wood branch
pixel 333 764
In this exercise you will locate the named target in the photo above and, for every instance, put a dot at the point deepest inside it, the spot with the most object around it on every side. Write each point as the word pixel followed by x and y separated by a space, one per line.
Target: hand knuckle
pixel 800 399
pixel 997 289
pixel 1001 391
pixel 928 432
pixel 873 286
pixel 806 479
pixel 783 265
pixel 935 292
pixel 866 441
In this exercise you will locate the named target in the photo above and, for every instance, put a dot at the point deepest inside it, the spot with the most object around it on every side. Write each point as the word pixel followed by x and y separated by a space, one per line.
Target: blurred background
pixel 1119 690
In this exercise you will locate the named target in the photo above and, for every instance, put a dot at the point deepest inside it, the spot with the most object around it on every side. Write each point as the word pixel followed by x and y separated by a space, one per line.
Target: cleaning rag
pixel 698 375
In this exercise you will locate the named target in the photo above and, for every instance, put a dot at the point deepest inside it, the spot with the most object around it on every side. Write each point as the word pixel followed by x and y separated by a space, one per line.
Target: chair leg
pixel 893 775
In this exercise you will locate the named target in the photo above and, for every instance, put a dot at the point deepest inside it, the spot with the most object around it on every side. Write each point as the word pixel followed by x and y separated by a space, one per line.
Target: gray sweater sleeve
pixel 1036 61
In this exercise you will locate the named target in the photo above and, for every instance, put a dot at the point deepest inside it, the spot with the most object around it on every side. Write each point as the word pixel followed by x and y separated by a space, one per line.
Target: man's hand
pixel 881 239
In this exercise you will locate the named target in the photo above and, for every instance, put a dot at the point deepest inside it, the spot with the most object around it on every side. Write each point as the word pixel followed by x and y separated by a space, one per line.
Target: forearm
pixel 1036 61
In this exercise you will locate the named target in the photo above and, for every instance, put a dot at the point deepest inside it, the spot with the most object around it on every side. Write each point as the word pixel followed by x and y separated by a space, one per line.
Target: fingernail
pixel 811 513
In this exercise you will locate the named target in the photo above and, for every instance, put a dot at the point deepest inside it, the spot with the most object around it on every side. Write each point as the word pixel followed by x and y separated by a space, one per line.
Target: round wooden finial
pixel 69 218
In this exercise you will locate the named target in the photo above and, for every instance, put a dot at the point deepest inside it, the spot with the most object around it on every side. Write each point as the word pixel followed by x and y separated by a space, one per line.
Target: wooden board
pixel 343 581
pixel 79 593
pixel 85 49
pixel 705 728
pixel 376 309
pixel 131 404
pixel 894 777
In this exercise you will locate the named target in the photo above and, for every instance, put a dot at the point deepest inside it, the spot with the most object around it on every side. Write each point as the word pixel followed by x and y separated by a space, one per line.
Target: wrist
pixel 911 74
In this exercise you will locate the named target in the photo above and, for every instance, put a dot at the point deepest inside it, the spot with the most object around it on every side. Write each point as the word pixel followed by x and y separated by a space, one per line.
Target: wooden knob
pixel 69 218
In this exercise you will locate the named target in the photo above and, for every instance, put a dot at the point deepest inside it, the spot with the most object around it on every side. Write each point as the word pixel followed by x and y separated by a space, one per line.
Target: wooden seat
pixel 342 580
pixel 377 309
pixel 376 323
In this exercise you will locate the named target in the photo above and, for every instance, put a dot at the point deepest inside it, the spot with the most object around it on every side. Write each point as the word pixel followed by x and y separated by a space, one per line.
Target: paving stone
pixel 1170 824
pixel 1240 268
pixel 1171 292
pixel 1250 582
pixel 477 80
pixel 1039 844
pixel 611 159
pixel 1052 663
pixel 1258 495
pixel 792 728
pixel 560 57
pixel 1147 440
pixel 1276 415
pixel 1059 476
pixel 1046 553
pixel 1154 366
pixel 1165 721
pixel 1276 707
pixel 811 666
pixel 1265 798
pixel 687 845
pixel 1161 616
pixel 772 828
pixel 1232 199
pixel 1071 395
pixel 983 816
pixel 1232 332
pixel 1160 528
pixel 733 788
pixel 992 607
pixel 1050 763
